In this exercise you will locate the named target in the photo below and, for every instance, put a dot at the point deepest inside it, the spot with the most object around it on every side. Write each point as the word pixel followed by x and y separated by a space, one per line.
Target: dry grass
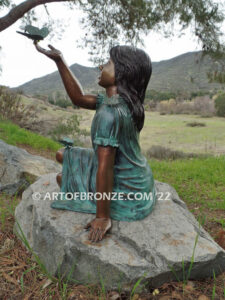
pixel 169 131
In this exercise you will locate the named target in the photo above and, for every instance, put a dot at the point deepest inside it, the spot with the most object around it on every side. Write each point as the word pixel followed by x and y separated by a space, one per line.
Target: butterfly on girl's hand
pixel 35 33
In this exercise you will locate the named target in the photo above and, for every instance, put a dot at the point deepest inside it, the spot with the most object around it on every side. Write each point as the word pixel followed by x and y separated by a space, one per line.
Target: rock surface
pixel 18 168
pixel 150 247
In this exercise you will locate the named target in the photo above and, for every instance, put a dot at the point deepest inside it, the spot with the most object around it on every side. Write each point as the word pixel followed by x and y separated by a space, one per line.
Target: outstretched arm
pixel 104 184
pixel 72 85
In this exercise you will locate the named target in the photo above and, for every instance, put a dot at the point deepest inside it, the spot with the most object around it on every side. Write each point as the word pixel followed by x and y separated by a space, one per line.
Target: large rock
pixel 18 168
pixel 150 247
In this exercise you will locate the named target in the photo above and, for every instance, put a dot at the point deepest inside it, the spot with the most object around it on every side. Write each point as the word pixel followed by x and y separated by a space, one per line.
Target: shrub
pixel 203 106
pixel 220 105
pixel 161 153
pixel 61 100
pixel 69 127
pixel 196 124
pixel 12 108
pixel 41 97
pixel 150 105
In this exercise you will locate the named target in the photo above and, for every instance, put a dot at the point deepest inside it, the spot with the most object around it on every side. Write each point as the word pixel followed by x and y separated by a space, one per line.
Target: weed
pixel 136 285
pixel 63 284
pixel 186 277
pixel 36 257
pixel 214 286
pixel 24 273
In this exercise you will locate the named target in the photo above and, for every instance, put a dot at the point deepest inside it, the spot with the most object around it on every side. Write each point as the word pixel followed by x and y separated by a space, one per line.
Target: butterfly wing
pixel 34 37
pixel 32 30
pixel 44 32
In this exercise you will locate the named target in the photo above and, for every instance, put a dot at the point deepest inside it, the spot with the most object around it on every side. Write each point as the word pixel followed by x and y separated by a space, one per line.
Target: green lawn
pixel 14 135
pixel 200 182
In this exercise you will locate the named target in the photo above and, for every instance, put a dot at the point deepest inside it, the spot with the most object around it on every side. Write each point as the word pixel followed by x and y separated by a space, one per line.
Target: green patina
pixel 113 126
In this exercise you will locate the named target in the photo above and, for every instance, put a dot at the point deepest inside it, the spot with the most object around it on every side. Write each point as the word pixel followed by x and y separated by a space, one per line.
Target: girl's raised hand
pixel 53 53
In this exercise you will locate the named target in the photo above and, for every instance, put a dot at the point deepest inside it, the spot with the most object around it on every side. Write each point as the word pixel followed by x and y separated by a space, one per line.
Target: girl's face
pixel 107 76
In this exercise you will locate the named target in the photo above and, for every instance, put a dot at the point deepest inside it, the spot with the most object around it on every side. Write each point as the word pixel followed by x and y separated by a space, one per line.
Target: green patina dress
pixel 112 125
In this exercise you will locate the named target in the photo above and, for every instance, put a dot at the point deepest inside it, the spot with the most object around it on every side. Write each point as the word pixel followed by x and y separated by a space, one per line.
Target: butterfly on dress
pixel 67 142
pixel 35 33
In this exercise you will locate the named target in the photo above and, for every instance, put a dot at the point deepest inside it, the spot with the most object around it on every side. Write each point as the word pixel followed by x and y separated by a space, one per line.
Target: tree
pixel 220 105
pixel 108 21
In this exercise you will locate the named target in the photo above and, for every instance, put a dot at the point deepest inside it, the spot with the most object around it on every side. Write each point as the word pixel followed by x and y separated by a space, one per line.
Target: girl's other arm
pixel 104 184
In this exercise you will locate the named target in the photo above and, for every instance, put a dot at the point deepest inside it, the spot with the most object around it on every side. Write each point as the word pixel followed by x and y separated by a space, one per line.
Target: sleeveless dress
pixel 134 194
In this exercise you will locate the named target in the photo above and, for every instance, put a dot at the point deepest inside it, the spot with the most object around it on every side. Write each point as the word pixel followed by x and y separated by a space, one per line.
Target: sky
pixel 21 62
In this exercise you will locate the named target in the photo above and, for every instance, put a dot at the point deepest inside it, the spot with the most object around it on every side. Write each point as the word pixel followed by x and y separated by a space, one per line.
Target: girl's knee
pixel 59 155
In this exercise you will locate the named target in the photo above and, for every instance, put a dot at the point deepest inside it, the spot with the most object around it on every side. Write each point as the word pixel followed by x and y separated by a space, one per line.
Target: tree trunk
pixel 18 11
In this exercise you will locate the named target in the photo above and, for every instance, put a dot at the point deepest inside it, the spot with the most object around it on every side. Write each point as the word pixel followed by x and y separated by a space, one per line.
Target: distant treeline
pixel 61 99
pixel 160 96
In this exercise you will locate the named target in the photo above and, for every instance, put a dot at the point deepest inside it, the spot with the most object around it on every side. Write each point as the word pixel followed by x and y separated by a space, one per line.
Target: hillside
pixel 186 72
pixel 52 82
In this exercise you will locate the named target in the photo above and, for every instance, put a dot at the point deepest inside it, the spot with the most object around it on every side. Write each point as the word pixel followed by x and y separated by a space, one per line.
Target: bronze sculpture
pixel 115 164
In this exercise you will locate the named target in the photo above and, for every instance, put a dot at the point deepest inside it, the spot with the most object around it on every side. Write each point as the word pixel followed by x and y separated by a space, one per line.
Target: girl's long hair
pixel 133 70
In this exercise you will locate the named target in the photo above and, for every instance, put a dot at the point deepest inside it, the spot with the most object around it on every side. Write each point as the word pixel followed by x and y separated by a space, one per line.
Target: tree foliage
pixel 220 105
pixel 108 22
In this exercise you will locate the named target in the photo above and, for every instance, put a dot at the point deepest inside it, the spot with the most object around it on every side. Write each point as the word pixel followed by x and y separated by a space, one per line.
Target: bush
pixel 220 105
pixel 161 153
pixel 196 124
pixel 64 103
pixel 12 108
pixel 61 100
pixel 150 105
pixel 203 106
pixel 69 127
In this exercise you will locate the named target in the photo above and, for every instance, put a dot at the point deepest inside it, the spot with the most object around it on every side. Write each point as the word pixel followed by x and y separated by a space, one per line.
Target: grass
pixel 199 182
pixel 135 287
pixel 171 131
pixel 187 276
pixel 14 135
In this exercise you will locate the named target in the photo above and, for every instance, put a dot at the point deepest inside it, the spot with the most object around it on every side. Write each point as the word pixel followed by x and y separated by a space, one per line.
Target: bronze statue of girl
pixel 115 165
